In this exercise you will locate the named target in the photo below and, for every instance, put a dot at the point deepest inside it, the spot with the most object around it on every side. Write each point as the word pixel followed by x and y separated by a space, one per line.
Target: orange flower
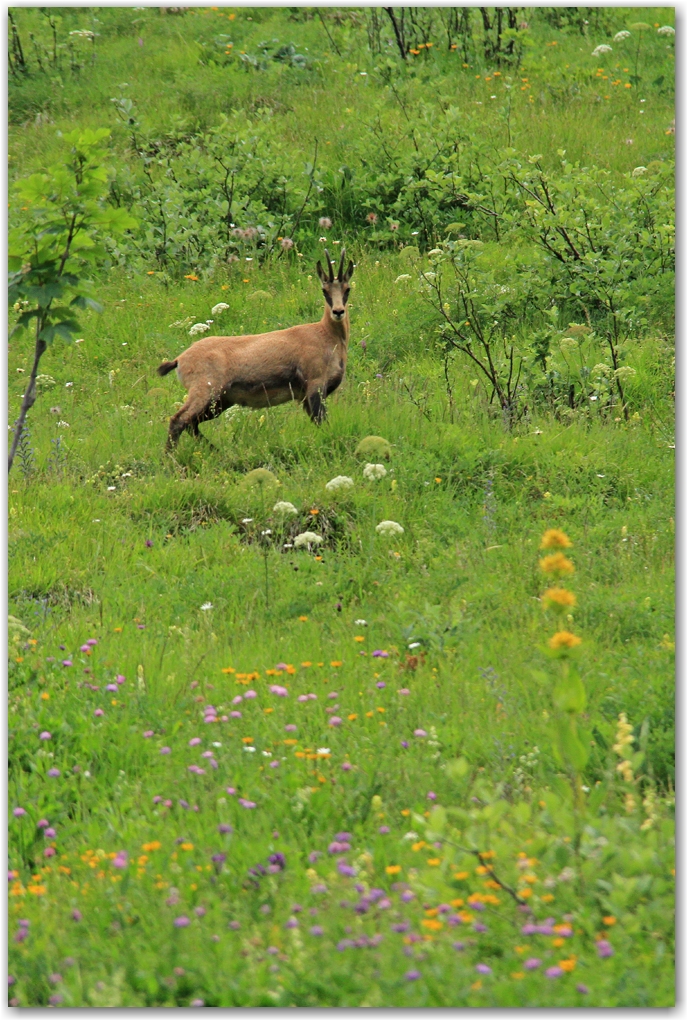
pixel 154 845
pixel 359 637
pixel 554 538
pixel 405 812
pixel 461 875
pixel 393 869
pixel 432 924
pixel 518 975
pixel 556 563
pixel 303 619
pixel 559 599
pixel 352 717
pixel 247 740
pixel 564 639
pixel 434 862
pixel 567 965
pixel 191 276
pixel 229 669
pixel 335 663
pixel 609 921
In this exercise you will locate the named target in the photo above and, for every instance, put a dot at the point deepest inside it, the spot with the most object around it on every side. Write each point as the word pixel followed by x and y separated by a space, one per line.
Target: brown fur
pixel 303 363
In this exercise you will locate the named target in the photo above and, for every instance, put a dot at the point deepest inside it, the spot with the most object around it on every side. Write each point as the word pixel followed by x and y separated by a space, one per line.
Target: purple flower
pixel 291 923
pixel 274 764
pixel 54 979
pixel 554 972
pixel 290 728
pixel 344 944
pixel 316 930
pixel 265 909
pixel 483 968
pixel 149 543
pixel 604 948
pixel 98 712
pixel 404 690
pixel 184 804
pixel 532 963
pixel 247 803
pixel 431 795
pixel 478 926
pixel 338 848
pixel 334 721
pixel 380 684
pixel 407 896
pixel 76 915
pixel 119 679
pixel 249 695
pixel 42 824
pixel 66 662
pixel 344 837
pixel 231 791
pixel 404 743
pixel 346 766
pixel 412 975
pixel 54 773
pixel 582 989
pixel 195 1002
pixel 281 692
pixel 165 750
pixel 194 741
pixel 121 860
pixel 181 922
pixel 400 928
pixel 224 828
pixel 380 654
pixel 345 869
pixel 419 733
pixel 85 648
pixel 234 715
pixel 18 812
pixel 528 929
pixel 319 889
pixel 234 925
pixel 200 911
pixel 55 1000
pixel 314 856
pixel 141 626
pixel 45 735
pixel 148 733
pixel 281 665
pixel 21 935
pixel 111 687
pixel 383 830
pixel 278 860
pixel 459 946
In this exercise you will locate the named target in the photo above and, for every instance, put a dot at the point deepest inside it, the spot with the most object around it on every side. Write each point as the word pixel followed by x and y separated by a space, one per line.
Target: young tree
pixel 62 222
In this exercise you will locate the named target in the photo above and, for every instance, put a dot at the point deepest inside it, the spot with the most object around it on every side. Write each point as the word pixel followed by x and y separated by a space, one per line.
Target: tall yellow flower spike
pixel 556 563
pixel 554 538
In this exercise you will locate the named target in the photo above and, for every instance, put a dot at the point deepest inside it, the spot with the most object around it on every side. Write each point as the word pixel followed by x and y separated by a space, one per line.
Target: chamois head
pixel 336 290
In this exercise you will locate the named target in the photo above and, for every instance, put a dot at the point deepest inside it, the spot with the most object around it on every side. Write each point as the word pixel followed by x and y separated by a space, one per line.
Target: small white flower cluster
pixel 666 30
pixel 625 372
pixel 374 472
pixel 308 539
pixel 283 507
pixel 207 605
pixel 600 50
pixel 389 528
pixel 340 484
pixel 619 36
pixel 639 171
pixel 219 308
pixel 200 327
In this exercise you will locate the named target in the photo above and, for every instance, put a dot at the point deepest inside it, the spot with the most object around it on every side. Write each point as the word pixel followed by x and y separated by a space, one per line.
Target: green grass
pixel 111 539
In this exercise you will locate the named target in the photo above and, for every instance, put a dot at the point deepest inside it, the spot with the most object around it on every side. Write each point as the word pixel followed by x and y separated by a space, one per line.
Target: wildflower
pixel 165 750
pixel 483 968
pixel 554 972
pixel 431 795
pixel 666 30
pixel 374 472
pixel 393 869
pixel 600 50
pixel 98 712
pixel 371 218
pixel 340 484
pixel 307 538
pixel 559 599
pixel 532 964
pixel 286 244
pixel 181 922
pixel 556 563
pixel 379 653
pixel 619 36
pixel 334 720
pixel 564 639
pixel 207 605
pixel 284 507
pixel 582 989
pixel 419 733
pixel 54 773
pixel 555 539
pixel 219 308
pixel 388 528
pixel 412 975
pixel 198 328
pixel 325 222
pixel 346 766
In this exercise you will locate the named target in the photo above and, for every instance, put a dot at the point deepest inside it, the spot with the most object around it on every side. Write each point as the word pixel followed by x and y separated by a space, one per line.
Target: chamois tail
pixel 166 367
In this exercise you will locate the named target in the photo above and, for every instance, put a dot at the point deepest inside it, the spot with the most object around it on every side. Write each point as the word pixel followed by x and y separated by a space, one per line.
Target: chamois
pixel 304 363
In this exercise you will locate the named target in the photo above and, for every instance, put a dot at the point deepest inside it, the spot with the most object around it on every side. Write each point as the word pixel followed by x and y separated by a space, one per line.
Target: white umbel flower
pixel 219 308
pixel 666 30
pixel 207 605
pixel 340 484
pixel 625 372
pixel 307 538
pixel 200 327
pixel 389 528
pixel 639 171
pixel 600 50
pixel 373 472
pixel 283 507
pixel 619 36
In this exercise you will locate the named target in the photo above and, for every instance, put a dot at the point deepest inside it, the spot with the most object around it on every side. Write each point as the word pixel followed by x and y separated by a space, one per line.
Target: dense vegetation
pixel 426 765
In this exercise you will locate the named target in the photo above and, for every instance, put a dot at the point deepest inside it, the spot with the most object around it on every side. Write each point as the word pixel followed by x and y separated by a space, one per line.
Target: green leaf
pixel 569 694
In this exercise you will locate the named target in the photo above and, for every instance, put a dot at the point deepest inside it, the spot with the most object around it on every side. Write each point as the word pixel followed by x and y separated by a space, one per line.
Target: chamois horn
pixel 331 267
pixel 341 265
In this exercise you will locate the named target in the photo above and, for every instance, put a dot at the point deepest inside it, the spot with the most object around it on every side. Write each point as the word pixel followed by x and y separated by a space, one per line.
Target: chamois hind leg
pixel 198 407
pixel 314 405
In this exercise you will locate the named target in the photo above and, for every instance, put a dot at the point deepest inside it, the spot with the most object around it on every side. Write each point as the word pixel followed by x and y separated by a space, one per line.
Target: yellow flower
pixel 567 965
pixel 303 619
pixel 460 876
pixel 432 924
pixel 609 921
pixel 555 539
pixel 548 898
pixel 434 862
pixel 518 975
pixel 556 563
pixel 154 845
pixel 191 276
pixel 559 599
pixel 186 846
pixel 393 869
pixel 352 717
pixel 359 637
pixel 564 639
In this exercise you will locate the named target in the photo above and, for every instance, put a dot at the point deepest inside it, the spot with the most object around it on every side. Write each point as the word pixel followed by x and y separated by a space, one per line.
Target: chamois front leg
pixel 314 404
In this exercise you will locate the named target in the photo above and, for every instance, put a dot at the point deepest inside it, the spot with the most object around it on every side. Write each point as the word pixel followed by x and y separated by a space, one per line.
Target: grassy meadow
pixel 248 772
